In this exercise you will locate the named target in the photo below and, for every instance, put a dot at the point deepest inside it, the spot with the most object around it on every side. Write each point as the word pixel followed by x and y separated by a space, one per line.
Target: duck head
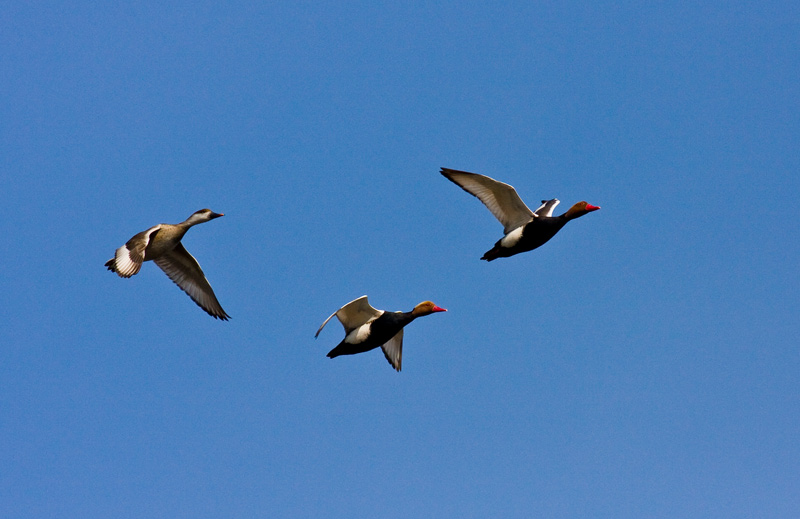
pixel 426 308
pixel 203 215
pixel 580 209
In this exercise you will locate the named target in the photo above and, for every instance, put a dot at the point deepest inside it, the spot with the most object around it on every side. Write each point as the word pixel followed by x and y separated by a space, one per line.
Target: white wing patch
pixel 123 263
pixel 129 258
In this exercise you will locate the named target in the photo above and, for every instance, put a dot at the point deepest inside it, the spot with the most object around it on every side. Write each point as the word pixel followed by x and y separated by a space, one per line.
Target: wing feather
pixel 184 271
pixel 128 259
pixel 353 314
pixel 393 350
pixel 501 199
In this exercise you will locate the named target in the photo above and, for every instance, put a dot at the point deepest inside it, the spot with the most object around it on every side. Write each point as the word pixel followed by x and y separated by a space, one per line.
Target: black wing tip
pixel 222 317
pixel 396 368
pixel 220 314
pixel 449 171
pixel 112 266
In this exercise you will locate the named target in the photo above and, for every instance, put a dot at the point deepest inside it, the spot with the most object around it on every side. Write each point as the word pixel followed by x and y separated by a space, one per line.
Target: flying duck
pixel 162 244
pixel 524 229
pixel 366 328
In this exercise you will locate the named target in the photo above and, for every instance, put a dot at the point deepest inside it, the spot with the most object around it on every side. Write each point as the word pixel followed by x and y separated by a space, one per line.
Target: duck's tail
pixel 492 254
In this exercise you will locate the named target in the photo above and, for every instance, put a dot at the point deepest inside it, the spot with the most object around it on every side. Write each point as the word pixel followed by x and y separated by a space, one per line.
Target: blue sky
pixel 642 364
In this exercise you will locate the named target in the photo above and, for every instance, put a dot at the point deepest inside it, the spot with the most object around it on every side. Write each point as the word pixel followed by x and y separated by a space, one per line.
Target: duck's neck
pixel 405 317
pixel 191 221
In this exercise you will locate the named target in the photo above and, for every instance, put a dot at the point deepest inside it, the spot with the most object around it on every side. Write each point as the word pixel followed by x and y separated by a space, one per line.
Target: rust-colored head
pixel 426 308
pixel 580 209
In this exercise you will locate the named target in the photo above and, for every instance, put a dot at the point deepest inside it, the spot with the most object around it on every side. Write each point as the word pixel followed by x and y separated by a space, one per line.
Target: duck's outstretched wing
pixel 393 350
pixel 353 314
pixel 128 259
pixel 184 271
pixel 501 199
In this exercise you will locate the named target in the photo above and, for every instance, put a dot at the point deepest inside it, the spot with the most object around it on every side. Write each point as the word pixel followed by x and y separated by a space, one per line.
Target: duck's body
pixel 162 244
pixel 527 237
pixel 367 328
pixel 524 229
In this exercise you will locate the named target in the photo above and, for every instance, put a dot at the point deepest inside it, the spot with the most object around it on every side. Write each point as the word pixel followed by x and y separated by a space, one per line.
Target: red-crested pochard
pixel 366 328
pixel 524 229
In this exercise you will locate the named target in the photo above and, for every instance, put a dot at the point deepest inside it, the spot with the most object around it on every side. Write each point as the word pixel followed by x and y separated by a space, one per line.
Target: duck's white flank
pixel 360 334
pixel 512 238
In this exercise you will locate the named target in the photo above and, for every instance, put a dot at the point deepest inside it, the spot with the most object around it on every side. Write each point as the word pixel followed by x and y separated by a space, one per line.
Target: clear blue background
pixel 642 364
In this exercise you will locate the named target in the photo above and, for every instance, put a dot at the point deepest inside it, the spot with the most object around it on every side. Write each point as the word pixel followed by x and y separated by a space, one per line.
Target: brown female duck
pixel 162 244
